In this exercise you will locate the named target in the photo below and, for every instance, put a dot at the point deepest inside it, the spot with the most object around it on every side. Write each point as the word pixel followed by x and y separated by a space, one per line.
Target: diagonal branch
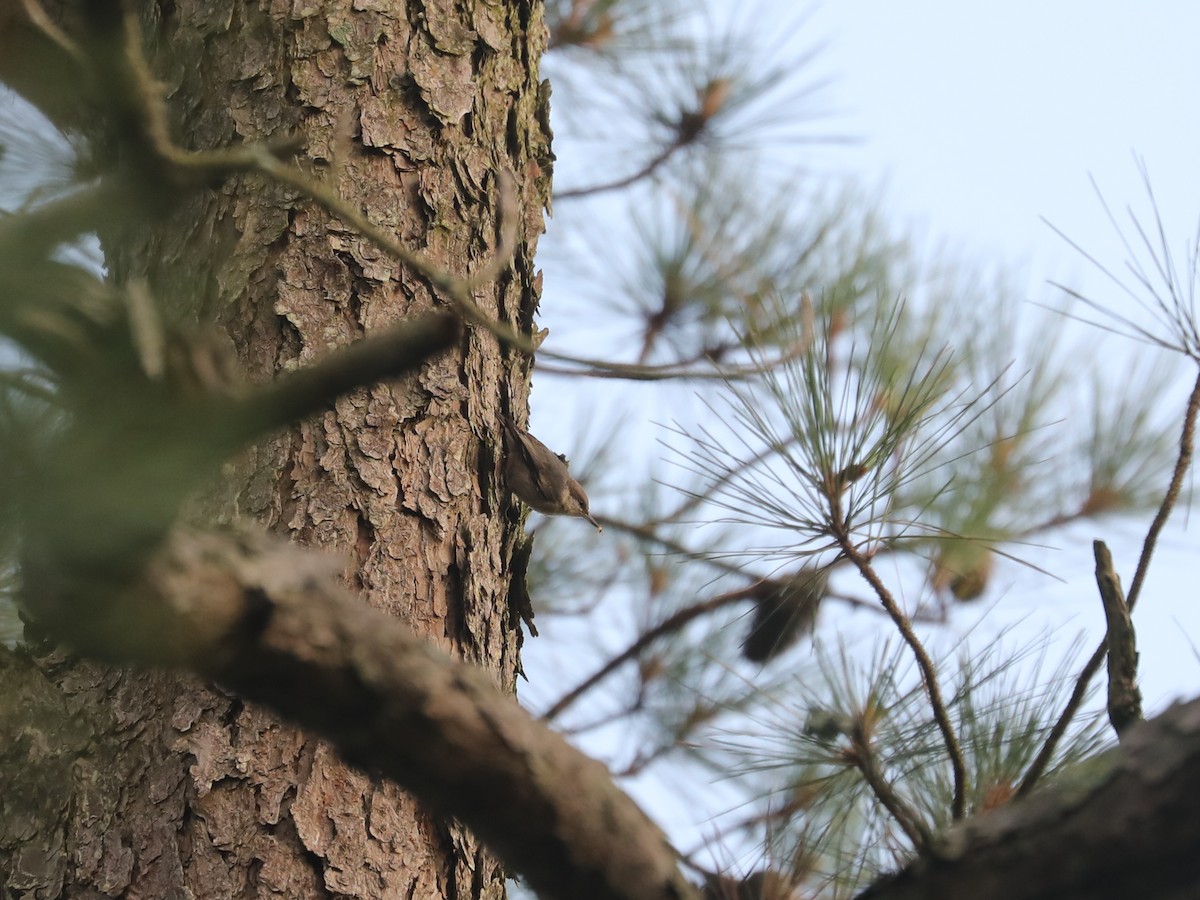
pixel 388 354
pixel 924 663
pixel 652 166
pixel 1182 463
pixel 268 620
pixel 668 625
pixel 1124 698
pixel 906 817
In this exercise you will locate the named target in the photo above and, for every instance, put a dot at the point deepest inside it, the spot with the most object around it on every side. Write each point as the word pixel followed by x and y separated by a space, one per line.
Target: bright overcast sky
pixel 985 117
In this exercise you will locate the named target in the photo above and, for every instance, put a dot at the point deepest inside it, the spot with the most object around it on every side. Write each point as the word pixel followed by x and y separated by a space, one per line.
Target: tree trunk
pixel 144 784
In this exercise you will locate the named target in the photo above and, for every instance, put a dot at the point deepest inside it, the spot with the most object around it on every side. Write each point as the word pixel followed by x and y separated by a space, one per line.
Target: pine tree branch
pixel 617 184
pixel 669 625
pixel 905 816
pixel 924 663
pixel 1123 825
pixel 1124 698
pixel 270 621
pixel 1182 463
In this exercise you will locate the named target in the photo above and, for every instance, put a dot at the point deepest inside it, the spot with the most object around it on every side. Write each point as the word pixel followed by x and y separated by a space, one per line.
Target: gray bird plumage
pixel 540 477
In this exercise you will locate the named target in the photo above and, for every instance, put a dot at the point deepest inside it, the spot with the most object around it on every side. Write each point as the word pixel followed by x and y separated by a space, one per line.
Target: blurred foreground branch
pixel 269 621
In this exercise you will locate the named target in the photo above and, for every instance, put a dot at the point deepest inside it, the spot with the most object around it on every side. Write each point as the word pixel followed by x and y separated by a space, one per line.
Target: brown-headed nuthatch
pixel 539 476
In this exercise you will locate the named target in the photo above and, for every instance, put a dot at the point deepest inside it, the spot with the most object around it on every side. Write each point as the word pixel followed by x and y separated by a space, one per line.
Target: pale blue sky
pixel 984 117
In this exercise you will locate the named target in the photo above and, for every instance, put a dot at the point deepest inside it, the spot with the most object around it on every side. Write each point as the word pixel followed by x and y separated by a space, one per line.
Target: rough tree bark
pixel 1123 826
pixel 145 784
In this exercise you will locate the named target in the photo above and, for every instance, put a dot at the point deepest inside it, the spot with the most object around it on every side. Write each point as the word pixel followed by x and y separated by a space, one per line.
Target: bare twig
pixel 906 817
pixel 667 626
pixel 1124 698
pixel 1182 464
pixel 644 172
pixel 684 369
pixel 458 290
pixel 924 663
